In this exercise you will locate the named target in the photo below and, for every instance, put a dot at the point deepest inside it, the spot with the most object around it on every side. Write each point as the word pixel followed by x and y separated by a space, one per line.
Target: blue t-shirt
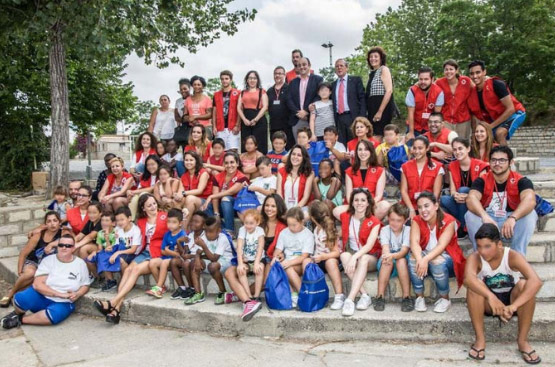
pixel 170 242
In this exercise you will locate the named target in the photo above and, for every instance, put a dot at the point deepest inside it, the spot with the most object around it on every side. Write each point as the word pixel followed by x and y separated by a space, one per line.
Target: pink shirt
pixel 199 108
pixel 302 90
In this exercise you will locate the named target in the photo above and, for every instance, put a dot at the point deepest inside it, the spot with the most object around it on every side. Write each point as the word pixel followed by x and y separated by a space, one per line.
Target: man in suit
pixel 302 92
pixel 348 100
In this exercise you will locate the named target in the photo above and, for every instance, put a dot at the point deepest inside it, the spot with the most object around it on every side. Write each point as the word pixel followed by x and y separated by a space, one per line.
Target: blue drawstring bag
pixel 395 158
pixel 276 290
pixel 314 292
pixel 233 251
pixel 543 207
pixel 317 152
pixel 245 200
pixel 103 261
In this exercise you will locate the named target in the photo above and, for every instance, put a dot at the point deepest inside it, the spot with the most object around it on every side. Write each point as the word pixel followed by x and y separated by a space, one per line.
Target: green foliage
pixel 328 73
pixel 141 117
pixel 514 38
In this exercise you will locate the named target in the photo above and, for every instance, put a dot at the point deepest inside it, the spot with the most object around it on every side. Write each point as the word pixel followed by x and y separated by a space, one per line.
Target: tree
pixel 105 30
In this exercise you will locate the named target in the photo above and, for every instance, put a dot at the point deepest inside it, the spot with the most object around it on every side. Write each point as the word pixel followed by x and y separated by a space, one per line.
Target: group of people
pixel 329 163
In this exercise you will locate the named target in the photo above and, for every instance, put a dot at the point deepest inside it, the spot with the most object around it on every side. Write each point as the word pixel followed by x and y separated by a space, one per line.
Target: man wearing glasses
pixel 440 138
pixel 277 106
pixel 504 198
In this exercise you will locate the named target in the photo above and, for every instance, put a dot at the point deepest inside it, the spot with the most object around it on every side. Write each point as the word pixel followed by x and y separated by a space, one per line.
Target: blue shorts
pixel 143 256
pixel 512 123
pixel 31 300
pixel 394 272
pixel 128 258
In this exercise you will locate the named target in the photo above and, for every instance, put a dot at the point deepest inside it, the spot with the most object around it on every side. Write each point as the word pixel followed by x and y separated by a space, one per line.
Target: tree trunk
pixel 59 145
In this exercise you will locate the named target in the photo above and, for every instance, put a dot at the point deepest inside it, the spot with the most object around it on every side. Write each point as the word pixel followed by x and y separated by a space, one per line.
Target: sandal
pixel 99 305
pixel 529 354
pixel 113 318
pixel 5 302
pixel 478 351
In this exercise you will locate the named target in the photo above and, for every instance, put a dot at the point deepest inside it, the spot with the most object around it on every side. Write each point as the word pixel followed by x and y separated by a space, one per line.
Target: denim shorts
pixel 143 256
pixel 31 300
pixel 128 258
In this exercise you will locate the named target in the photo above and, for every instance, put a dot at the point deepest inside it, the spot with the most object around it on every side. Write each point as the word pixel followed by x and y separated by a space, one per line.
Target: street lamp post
pixel 328 45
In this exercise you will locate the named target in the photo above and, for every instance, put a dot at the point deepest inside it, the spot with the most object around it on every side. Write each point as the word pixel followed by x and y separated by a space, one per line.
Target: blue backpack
pixel 314 292
pixel 103 261
pixel 234 259
pixel 276 290
pixel 543 207
pixel 245 200
pixel 395 158
pixel 317 152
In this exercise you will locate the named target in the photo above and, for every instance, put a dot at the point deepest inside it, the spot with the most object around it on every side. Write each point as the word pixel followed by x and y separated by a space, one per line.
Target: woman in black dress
pixel 379 91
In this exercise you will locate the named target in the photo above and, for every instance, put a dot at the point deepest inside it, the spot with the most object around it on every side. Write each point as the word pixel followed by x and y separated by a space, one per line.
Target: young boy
pixel 225 119
pixel 395 241
pixel 494 287
pixel 159 266
pixel 187 250
pixel 98 261
pixel 322 115
pixel 215 163
pixel 173 158
pixel 279 141
pixel 338 152
pixel 266 183
pixel 60 204
pixel 217 255
pixel 128 237
pixel 391 139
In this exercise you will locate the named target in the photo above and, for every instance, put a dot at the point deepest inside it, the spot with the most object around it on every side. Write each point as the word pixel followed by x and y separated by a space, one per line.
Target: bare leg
pixel 332 267
pixel 359 277
pixel 294 274
pixel 25 279
pixel 154 266
pixel 383 277
pixel 163 272
pixel 125 288
pixel 501 135
pixel 382 208
pixel 477 306
pixel 108 275
pixel 525 316
pixel 244 280
pixel 187 266
pixel 403 275
pixel 214 269
pixel 38 318
pixel 175 268
pixel 235 285
pixel 195 275
pixel 258 283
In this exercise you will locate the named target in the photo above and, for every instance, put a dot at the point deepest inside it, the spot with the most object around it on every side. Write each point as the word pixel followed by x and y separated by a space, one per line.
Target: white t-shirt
pixel 193 247
pixel 291 192
pixel 130 238
pixel 63 277
pixel 432 242
pixel 180 106
pixel 340 147
pixel 250 245
pixel 220 246
pixel 354 230
pixel 168 158
pixel 388 237
pixel 165 124
pixel 267 183
pixel 149 231
pixel 295 244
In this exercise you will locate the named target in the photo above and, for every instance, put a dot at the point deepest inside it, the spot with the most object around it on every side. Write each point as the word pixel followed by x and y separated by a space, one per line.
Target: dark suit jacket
pixel 355 96
pixel 293 98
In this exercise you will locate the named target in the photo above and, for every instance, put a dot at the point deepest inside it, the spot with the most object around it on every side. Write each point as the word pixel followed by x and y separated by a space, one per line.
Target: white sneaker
pixel 348 307
pixel 442 305
pixel 420 304
pixel 294 299
pixel 364 302
pixel 338 302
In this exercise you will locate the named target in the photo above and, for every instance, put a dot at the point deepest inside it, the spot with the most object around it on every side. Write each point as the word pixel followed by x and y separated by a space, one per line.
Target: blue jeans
pixel 457 210
pixel 523 231
pixel 180 168
pixel 439 268
pixel 227 212
pixel 140 168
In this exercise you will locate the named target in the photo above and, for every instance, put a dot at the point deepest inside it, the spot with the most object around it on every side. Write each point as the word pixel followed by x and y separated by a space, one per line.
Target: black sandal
pixel 100 307
pixel 113 319
pixel 529 354
pixel 478 351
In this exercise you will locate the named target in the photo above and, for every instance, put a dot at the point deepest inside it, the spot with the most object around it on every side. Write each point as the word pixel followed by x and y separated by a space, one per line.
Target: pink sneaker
pixel 250 309
pixel 230 297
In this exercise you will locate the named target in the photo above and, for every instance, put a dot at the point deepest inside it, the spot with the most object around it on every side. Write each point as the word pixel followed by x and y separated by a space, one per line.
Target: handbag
pixel 245 200
pixel 276 289
pixel 181 134
pixel 314 293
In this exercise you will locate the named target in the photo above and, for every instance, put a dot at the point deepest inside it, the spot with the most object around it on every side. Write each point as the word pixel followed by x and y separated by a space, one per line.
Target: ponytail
pixel 430 161
pixel 320 212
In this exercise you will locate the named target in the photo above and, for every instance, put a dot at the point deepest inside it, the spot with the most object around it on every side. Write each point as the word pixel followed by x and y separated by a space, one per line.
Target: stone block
pixel 17 240
pixel 535 254
pixel 38 214
pixel 9 229
pixel 3 241
pixel 9 251
pixel 18 216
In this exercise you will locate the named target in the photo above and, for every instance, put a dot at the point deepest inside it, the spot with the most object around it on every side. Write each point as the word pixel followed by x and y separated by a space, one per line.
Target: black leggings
pixel 259 131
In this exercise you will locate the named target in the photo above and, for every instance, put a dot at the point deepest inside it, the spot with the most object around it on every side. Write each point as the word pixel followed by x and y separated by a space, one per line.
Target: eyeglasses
pixel 498 161
pixel 63 245
pixel 82 195
pixel 360 189
pixel 437 122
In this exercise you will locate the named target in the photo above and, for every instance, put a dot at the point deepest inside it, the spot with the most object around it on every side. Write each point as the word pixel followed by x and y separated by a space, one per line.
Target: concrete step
pixel 527 165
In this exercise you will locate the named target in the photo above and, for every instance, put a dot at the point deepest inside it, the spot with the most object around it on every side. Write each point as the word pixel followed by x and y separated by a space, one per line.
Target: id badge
pixel 500 213
pixel 426 115
pixel 277 102
pixel 291 203
pixel 416 195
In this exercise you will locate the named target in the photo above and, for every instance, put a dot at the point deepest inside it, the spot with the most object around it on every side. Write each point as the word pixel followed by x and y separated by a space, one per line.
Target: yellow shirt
pixel 382 150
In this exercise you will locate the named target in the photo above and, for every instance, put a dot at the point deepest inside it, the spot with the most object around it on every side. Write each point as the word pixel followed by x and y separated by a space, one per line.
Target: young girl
pixel 198 142
pixel 366 173
pixel 114 192
pixel 327 187
pixel 168 190
pixel 215 163
pixel 106 246
pixel 173 158
pixel 435 250
pixel 463 171
pixel 60 203
pixel 250 253
pixel 160 149
pixel 420 174
pixel 294 182
pixel 294 245
pixel 85 241
pixel 482 141
pixel 197 185
pixel 248 159
pixel 145 146
pixel 146 183
pixel 362 130
pixel 361 246
pixel 326 249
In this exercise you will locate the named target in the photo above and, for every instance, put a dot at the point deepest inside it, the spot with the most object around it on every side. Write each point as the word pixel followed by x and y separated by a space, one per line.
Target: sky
pixel 279 27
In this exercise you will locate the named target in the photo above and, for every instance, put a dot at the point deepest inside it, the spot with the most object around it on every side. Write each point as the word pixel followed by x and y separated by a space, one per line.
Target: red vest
pixel 205 156
pixel 144 184
pixel 157 237
pixel 352 146
pixel 192 184
pixel 223 185
pixel 443 138
pixel 112 179
pixel 452 248
pixel 279 227
pixel 232 112
pixel 365 228
pixel 513 196
pixel 494 107
pixel 417 183
pixel 73 217
pixel 476 166
pixel 455 109
pixel 373 174
pixel 424 103
pixel 138 154
pixel 302 183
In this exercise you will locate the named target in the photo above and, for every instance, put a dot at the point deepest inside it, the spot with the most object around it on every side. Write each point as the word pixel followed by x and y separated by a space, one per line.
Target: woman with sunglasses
pixel 60 280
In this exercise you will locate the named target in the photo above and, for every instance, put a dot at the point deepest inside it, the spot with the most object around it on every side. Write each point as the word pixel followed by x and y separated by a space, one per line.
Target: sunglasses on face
pixel 63 245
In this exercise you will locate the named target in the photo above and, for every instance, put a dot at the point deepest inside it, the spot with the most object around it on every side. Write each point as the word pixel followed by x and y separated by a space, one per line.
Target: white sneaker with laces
pixel 348 307
pixel 442 305
pixel 294 300
pixel 338 302
pixel 364 302
pixel 420 304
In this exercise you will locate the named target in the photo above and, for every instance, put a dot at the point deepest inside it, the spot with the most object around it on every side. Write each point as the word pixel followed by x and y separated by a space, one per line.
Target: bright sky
pixel 279 27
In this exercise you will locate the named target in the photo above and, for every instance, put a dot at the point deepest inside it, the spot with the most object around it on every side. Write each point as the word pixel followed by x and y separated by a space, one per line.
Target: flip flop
pixel 100 307
pixel 478 351
pixel 529 354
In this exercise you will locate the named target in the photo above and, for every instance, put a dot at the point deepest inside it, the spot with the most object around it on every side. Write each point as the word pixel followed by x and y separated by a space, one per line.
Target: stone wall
pixel 534 141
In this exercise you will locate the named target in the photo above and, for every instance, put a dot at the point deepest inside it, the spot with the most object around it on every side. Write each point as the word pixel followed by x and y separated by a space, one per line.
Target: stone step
pixel 527 165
